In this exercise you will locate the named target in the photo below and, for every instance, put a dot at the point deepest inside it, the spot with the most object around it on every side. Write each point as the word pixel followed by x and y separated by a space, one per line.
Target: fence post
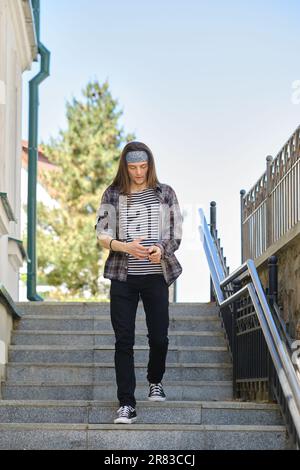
pixel 213 224
pixel 242 193
pixel 175 291
pixel 269 212
pixel 236 284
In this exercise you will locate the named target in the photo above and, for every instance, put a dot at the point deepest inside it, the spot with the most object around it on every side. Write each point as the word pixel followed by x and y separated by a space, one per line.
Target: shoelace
pixel 124 410
pixel 156 389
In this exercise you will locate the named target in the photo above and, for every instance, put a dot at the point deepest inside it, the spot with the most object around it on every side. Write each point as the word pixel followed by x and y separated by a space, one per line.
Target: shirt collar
pixel 158 187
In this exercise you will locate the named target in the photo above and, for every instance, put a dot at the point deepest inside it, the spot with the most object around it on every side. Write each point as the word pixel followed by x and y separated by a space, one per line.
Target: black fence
pixel 255 377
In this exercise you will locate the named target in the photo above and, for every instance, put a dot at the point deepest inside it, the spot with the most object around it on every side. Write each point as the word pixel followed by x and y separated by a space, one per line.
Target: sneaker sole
pixel 124 420
pixel 156 399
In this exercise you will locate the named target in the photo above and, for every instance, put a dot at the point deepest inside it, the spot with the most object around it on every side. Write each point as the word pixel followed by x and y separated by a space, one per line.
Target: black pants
pixel 124 297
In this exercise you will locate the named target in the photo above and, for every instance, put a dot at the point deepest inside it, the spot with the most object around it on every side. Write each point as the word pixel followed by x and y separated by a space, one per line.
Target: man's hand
pixel 154 254
pixel 136 249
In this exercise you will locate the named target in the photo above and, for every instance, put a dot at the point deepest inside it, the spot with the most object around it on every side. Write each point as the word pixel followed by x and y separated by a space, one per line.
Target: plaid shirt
pixel 170 232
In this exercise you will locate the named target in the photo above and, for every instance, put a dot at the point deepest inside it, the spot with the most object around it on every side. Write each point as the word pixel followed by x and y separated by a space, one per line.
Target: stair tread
pixel 44 303
pixel 111 332
pixel 139 383
pixel 142 426
pixel 111 364
pixel 229 404
pixel 110 347
pixel 105 317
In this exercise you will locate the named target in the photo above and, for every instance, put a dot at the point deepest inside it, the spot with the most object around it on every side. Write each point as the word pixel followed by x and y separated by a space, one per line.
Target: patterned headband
pixel 136 156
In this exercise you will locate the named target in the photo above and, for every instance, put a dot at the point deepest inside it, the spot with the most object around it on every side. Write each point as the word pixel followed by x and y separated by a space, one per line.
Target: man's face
pixel 138 172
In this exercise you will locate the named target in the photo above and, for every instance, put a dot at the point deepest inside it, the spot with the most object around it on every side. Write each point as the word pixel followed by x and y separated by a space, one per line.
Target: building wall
pixel 288 284
pixel 15 58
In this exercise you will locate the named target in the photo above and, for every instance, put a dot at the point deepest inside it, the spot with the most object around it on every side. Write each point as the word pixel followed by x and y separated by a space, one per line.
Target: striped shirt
pixel 140 218
pixel 107 223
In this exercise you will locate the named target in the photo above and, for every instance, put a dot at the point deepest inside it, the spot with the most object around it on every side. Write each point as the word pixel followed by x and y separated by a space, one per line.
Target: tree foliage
pixel 85 156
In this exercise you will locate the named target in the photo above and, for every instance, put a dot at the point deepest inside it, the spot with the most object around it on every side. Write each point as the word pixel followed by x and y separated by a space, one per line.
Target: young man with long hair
pixel 140 222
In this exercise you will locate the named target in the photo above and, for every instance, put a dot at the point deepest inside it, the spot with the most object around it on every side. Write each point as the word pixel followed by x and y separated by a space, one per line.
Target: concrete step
pixel 141 436
pixel 88 373
pixel 90 323
pixel 103 308
pixel 100 412
pixel 106 390
pixel 70 354
pixel 102 337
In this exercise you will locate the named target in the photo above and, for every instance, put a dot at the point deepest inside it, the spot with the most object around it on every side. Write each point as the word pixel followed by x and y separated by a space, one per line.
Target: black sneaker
pixel 156 392
pixel 126 415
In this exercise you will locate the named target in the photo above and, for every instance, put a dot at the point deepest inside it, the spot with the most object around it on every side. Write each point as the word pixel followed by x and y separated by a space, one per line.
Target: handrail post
pixel 236 284
pixel 272 298
pixel 213 226
pixel 273 280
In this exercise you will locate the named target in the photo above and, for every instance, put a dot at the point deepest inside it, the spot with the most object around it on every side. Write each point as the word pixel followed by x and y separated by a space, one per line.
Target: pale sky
pixel 210 86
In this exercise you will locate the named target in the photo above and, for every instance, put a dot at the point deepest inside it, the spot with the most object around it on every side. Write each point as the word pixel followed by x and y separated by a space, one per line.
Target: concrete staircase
pixel 60 391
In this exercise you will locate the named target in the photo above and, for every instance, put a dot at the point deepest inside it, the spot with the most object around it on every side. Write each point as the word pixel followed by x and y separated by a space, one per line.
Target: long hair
pixel 122 180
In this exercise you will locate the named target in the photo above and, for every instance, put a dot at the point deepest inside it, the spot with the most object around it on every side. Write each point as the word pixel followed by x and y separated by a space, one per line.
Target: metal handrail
pixel 281 359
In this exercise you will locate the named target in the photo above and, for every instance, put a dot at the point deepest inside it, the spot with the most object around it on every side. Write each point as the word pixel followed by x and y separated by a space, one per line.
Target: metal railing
pixel 214 234
pixel 262 366
pixel 272 206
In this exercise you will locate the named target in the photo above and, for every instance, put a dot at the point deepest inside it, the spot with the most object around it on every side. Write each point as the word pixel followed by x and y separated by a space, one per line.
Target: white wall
pixel 15 58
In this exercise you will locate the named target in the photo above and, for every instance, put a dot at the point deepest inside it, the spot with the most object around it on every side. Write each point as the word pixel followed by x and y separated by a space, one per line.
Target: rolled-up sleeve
pixel 105 224
pixel 172 221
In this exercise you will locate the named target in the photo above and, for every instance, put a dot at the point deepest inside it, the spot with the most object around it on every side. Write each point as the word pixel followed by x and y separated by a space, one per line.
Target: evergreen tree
pixel 86 156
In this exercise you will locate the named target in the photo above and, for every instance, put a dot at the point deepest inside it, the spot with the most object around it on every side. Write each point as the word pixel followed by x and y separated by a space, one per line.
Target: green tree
pixel 86 154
